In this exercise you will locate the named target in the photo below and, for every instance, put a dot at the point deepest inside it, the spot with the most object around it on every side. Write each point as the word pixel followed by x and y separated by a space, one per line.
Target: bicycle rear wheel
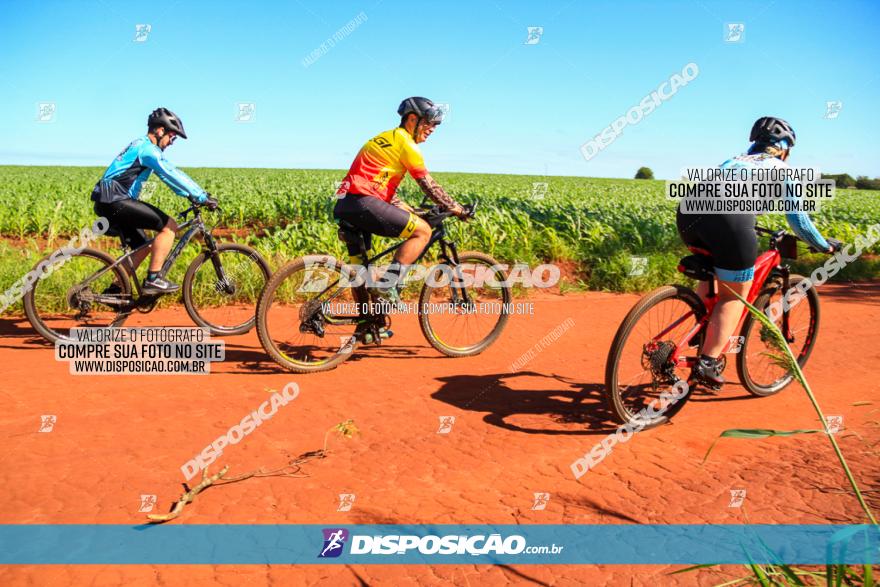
pixel 76 295
pixel 221 292
pixel 640 369
pixel 304 326
pixel 464 321
pixel 757 363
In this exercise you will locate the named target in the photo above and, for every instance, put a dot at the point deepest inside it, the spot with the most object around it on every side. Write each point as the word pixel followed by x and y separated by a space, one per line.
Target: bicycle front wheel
pixel 84 291
pixel 220 291
pixel 464 311
pixel 759 363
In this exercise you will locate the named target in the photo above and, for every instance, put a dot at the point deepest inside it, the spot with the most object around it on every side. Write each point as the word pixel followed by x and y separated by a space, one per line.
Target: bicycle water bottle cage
pixel 697 267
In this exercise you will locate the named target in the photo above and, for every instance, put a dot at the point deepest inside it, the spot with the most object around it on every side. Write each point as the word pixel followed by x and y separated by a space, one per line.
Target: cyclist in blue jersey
pixel 115 196
pixel 733 244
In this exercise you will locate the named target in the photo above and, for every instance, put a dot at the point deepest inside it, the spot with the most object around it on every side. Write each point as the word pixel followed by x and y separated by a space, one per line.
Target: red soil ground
pixel 515 434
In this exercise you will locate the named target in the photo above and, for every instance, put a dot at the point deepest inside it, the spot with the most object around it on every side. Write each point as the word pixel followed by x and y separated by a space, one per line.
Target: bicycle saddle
pixel 112 231
pixel 697 267
pixel 349 232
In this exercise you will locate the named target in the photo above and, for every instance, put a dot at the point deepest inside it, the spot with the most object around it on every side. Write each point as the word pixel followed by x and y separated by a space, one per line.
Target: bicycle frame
pixel 448 253
pixel 766 263
pixel 192 227
pixel 438 234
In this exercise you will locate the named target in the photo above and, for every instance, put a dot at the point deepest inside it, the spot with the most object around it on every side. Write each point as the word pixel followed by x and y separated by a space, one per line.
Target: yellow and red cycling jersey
pixel 382 163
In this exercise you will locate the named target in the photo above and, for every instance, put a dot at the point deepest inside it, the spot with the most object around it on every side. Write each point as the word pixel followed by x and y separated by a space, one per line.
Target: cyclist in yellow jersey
pixel 367 200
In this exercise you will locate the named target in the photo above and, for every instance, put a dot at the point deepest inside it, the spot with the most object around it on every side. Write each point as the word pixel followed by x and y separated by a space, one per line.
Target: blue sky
pixel 515 108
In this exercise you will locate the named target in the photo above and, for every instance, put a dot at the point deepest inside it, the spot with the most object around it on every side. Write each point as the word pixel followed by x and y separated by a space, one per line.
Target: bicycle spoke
pixel 458 328
pixel 295 327
pixel 224 298
pixel 61 301
pixel 644 367
pixel 760 358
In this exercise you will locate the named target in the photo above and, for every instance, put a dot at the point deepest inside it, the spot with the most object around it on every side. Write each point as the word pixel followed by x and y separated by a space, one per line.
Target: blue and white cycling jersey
pixel 799 222
pixel 132 167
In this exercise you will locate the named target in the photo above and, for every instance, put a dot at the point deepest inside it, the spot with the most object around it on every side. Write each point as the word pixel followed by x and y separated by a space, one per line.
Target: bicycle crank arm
pixel 113 301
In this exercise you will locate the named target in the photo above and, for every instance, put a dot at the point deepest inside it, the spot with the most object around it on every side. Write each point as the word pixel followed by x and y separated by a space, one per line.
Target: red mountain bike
pixel 659 340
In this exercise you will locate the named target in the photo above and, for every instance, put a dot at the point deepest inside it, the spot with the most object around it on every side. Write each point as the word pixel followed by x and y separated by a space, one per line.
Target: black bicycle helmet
pixel 770 130
pixel 164 118
pixel 425 109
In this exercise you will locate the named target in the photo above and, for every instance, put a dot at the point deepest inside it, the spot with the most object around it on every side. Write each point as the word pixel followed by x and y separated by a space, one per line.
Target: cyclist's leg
pixel 142 215
pixel 132 217
pixel 120 220
pixel 734 246
pixel 376 216
pixel 162 245
pixel 417 234
pixel 725 316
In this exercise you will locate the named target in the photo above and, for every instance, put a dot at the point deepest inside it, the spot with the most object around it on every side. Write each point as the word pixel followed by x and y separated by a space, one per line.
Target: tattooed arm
pixel 433 190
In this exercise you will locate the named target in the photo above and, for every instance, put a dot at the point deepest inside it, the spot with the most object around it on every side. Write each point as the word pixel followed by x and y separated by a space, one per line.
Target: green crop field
pixel 593 226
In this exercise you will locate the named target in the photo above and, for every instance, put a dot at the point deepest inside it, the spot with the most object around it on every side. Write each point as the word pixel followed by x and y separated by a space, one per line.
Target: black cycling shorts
pixel 130 217
pixel 730 239
pixel 373 216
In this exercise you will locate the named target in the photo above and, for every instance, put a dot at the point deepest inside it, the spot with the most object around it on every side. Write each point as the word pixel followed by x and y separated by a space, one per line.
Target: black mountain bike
pixel 316 310
pixel 92 289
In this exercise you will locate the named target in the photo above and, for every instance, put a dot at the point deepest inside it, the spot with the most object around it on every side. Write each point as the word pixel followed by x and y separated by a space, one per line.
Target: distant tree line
pixel 843 180
pixel 846 181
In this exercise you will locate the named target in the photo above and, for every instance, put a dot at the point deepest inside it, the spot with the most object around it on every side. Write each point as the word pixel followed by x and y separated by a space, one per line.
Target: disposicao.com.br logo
pixel 453 544
pixel 334 540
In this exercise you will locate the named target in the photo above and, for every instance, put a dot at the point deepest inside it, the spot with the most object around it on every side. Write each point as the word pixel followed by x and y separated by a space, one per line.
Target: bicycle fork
pixel 449 253
pixel 222 281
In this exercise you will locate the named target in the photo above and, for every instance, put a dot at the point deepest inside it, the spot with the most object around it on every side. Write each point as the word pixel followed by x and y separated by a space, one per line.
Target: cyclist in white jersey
pixel 733 244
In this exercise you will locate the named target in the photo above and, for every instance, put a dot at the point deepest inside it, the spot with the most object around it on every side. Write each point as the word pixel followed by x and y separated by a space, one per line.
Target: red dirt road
pixel 515 434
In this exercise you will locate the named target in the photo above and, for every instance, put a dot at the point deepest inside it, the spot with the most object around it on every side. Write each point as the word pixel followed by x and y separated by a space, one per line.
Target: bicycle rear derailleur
pixel 311 318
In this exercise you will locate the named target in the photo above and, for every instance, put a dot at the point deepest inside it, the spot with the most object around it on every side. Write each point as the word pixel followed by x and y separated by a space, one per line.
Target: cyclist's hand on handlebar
pixel 210 202
pixel 836 245
pixel 461 212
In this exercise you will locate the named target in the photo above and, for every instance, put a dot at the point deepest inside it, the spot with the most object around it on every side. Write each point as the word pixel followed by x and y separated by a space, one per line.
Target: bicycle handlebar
pixel 775 234
pixel 194 209
pixel 436 214
pixel 778 236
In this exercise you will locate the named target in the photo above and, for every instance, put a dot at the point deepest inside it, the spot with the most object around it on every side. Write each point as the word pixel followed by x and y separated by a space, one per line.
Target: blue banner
pixel 438 544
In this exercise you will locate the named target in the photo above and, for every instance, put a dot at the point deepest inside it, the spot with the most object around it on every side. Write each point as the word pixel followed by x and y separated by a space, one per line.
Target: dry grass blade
pixel 777 340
